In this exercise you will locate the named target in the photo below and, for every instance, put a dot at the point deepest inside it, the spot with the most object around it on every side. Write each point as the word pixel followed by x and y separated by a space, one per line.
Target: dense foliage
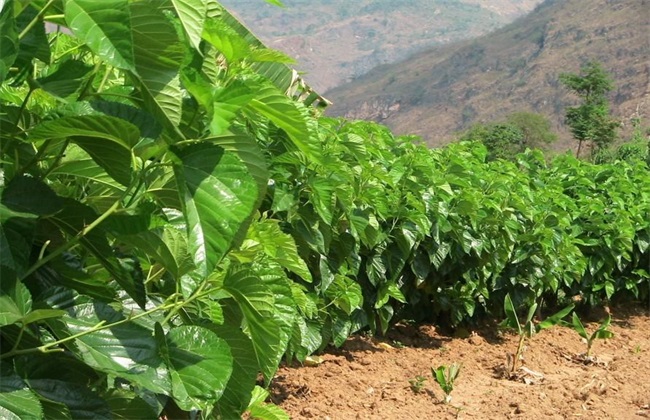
pixel 130 171
pixel 506 139
pixel 175 217
pixel 443 233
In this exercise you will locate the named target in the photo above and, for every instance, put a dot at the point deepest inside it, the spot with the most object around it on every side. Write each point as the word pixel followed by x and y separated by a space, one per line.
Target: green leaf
pixel 25 194
pixel 34 44
pixel 387 291
pixel 158 54
pixel 531 314
pixel 53 410
pixel 200 366
pixel 345 293
pixel 227 102
pixel 192 14
pixel 41 314
pixel 64 380
pixel 145 122
pixel 578 327
pixel 258 409
pixel 256 303
pixel 8 38
pixel 342 325
pixel 126 350
pixel 555 319
pixel 290 116
pixel 15 301
pixel 108 140
pixel 105 28
pixel 66 80
pixel 602 332
pixel 280 247
pixel 17 402
pixel 511 321
pixel 218 195
pixel 86 170
pixel 227 40
pixel 250 153
pixel 237 394
pixel 126 405
pixel 73 219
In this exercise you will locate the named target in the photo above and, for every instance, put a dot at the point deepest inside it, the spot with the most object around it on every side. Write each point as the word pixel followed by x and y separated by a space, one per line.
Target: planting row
pixel 404 231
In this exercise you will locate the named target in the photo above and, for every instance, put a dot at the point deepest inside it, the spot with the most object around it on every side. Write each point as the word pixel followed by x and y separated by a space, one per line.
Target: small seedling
pixel 445 377
pixel 417 383
pixel 602 332
pixel 528 328
pixel 398 344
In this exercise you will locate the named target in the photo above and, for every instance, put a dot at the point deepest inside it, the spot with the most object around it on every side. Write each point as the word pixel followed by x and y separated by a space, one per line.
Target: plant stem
pixel 520 349
pixel 101 325
pixel 34 21
pixel 60 250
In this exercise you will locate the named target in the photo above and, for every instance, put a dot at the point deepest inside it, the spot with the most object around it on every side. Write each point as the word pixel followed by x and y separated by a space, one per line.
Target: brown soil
pixel 368 378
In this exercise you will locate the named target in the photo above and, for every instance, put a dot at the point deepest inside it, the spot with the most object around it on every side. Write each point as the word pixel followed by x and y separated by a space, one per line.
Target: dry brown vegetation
pixel 334 41
pixel 443 90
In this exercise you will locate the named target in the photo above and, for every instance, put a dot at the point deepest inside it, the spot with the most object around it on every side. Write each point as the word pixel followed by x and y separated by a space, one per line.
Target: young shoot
pixel 417 383
pixel 445 377
pixel 602 332
pixel 528 328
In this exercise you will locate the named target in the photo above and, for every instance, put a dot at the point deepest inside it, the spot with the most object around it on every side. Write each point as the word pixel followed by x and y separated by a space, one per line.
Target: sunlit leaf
pixel 218 195
pixel 105 27
pixel 200 365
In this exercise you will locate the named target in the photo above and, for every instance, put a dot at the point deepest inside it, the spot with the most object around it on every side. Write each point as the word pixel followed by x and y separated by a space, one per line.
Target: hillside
pixel 335 41
pixel 442 90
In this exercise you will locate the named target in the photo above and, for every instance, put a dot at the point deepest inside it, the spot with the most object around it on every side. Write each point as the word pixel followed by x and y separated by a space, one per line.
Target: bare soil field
pixel 368 378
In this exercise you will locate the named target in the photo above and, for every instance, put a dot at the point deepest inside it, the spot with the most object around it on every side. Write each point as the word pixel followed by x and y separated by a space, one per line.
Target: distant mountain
pixel 335 41
pixel 442 90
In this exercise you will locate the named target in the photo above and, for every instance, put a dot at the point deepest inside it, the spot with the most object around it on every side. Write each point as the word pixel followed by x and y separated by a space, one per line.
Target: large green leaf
pixel 290 116
pixel 26 194
pixel 86 170
pixel 200 366
pixel 158 54
pixel 126 405
pixel 17 402
pixel 73 219
pixel 8 38
pixel 34 44
pixel 257 303
pixel 219 195
pixel 105 28
pixel 108 140
pixel 67 79
pixel 126 350
pixel 15 301
pixel 244 374
pixel 192 14
pixel 251 155
pixel 62 379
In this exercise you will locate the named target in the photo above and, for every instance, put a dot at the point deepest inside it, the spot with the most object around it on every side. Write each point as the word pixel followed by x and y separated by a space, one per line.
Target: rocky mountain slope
pixel 442 90
pixel 335 41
